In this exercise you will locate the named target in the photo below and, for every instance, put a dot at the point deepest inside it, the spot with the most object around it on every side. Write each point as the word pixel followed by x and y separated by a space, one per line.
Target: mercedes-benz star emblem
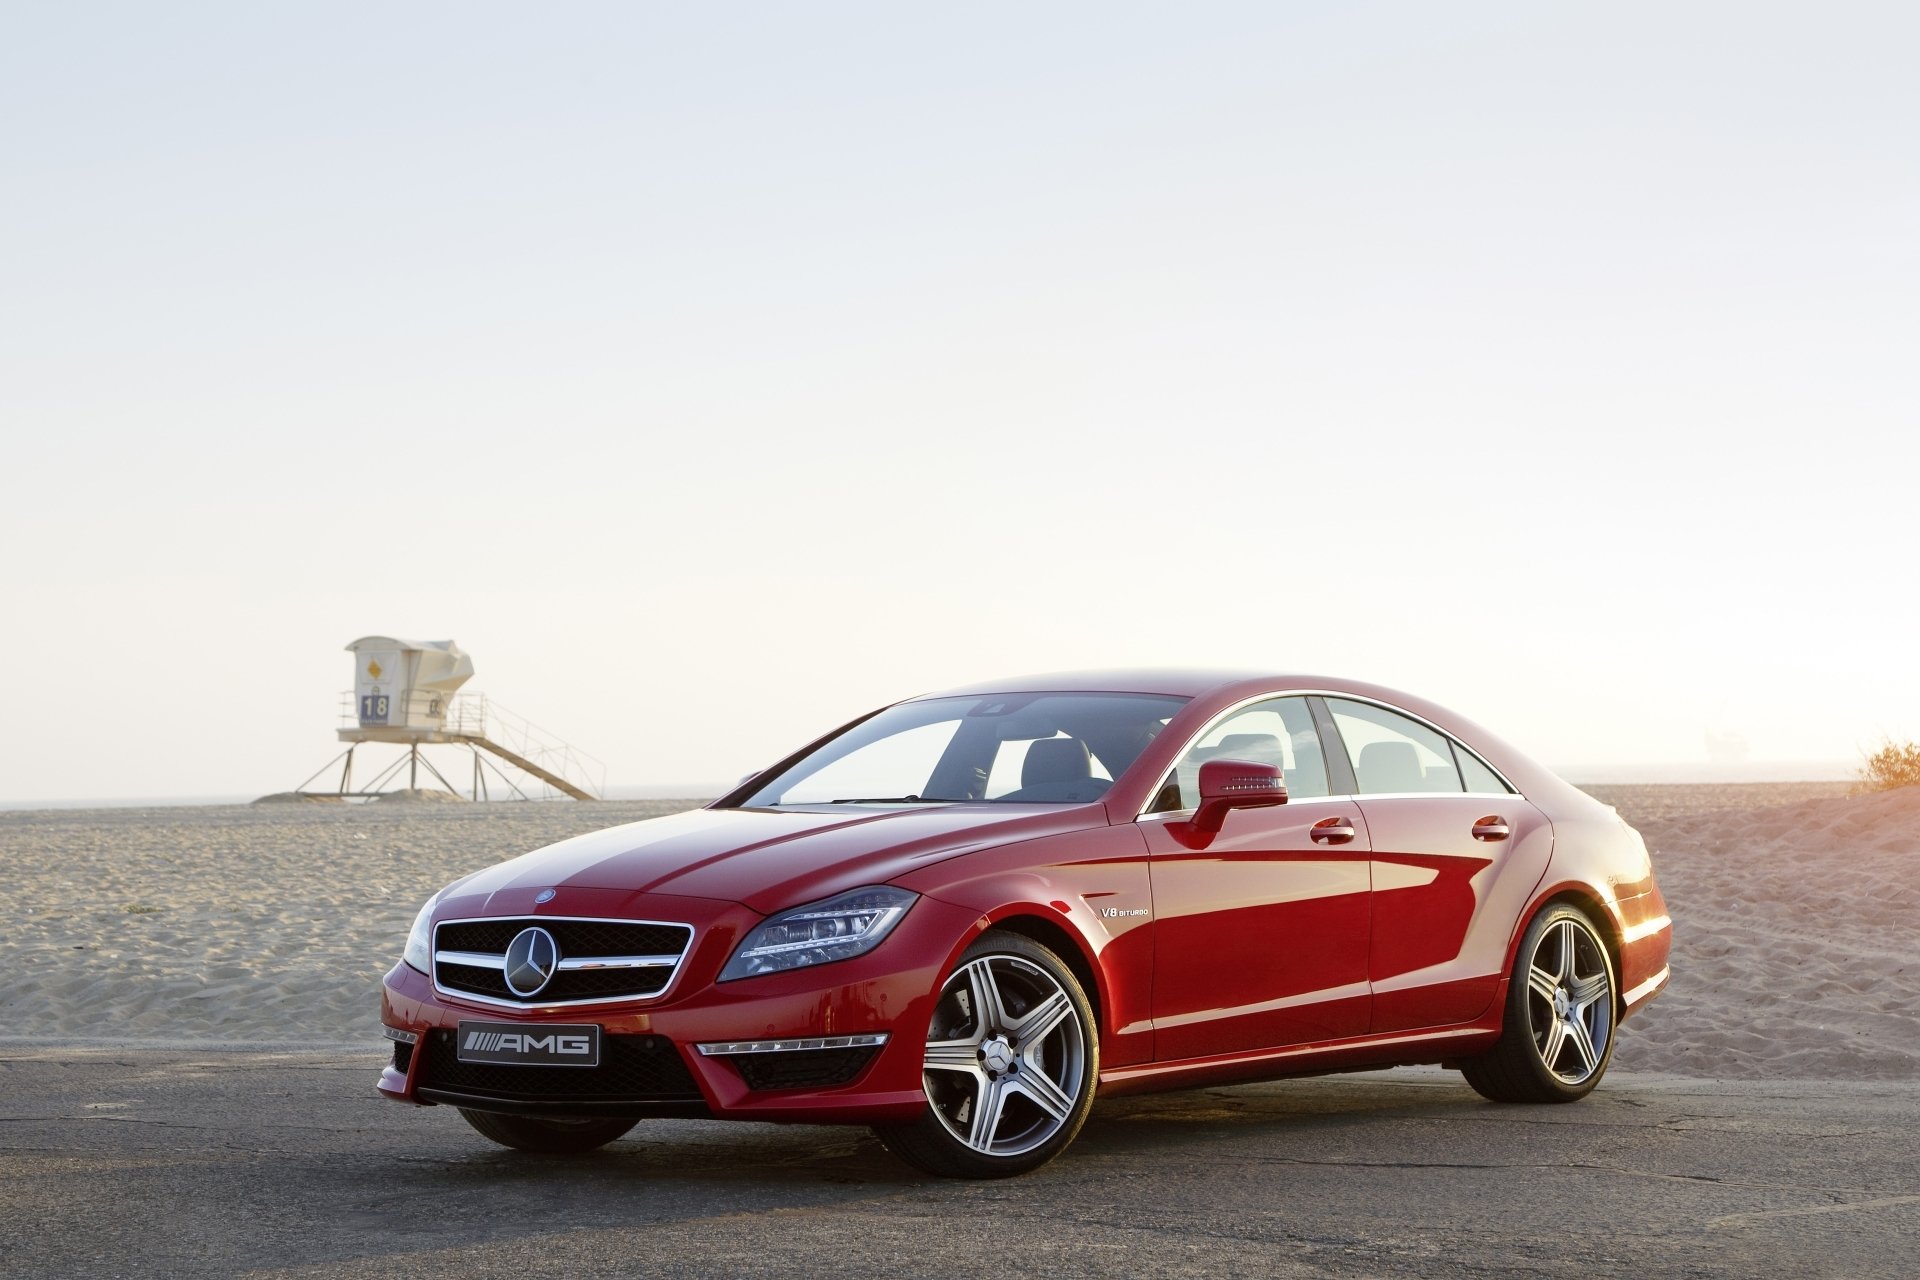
pixel 532 957
pixel 545 895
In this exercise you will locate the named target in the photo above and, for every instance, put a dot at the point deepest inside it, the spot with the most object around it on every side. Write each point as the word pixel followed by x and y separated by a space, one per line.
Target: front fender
pixel 1086 894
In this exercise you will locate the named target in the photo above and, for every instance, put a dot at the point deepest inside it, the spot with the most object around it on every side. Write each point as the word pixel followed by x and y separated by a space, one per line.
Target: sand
pixel 1796 932
pixel 1797 951
pixel 238 922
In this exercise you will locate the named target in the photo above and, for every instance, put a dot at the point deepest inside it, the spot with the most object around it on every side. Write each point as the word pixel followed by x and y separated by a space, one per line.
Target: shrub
pixel 1895 764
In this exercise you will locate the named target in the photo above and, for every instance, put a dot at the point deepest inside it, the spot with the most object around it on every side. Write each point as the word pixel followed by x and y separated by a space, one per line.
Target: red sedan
pixel 956 918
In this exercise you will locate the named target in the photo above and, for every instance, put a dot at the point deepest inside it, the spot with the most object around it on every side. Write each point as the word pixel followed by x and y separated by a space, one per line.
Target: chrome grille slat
pixel 472 959
pixel 568 963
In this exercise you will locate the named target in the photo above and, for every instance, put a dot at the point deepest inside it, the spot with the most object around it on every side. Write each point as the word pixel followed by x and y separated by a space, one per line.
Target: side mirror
pixel 1235 784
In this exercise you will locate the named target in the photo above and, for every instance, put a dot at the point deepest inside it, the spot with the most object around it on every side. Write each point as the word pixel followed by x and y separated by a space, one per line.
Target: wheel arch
pixel 1593 904
pixel 1061 940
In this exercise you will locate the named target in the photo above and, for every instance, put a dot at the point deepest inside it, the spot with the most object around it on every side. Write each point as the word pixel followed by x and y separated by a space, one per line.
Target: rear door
pixel 1456 854
pixel 1261 929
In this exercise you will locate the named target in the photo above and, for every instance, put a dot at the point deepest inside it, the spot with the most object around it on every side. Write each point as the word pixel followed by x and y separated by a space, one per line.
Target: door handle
pixel 1491 828
pixel 1331 831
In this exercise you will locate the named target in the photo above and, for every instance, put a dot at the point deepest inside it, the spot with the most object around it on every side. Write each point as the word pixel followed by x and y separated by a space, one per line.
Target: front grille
pixel 575 939
pixel 632 1069
pixel 589 984
pixel 471 978
pixel 802 1069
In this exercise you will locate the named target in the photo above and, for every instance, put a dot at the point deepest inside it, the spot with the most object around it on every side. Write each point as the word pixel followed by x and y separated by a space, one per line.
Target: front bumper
pixel 655 1065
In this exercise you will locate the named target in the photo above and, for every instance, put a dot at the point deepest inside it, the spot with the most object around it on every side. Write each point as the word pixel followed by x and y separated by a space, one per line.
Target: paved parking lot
pixel 143 1162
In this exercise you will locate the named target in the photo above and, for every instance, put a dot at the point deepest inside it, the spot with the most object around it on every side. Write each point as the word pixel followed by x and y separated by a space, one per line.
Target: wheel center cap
pixel 997 1054
pixel 1561 1005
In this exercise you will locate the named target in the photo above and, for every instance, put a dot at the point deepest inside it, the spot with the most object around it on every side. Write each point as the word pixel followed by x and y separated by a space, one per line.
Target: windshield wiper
pixel 894 800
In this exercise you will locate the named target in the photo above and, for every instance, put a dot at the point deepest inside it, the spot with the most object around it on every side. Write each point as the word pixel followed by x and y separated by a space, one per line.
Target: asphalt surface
pixel 143 1162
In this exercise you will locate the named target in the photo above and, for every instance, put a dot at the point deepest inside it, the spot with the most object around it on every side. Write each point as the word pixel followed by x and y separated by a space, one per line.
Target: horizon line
pixel 1674 773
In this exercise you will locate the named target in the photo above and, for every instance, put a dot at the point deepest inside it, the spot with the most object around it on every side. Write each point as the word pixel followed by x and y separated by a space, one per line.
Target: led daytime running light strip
pixel 731 1048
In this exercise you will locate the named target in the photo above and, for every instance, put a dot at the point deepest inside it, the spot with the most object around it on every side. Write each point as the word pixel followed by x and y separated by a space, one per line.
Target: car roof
pixel 1214 690
pixel 1183 682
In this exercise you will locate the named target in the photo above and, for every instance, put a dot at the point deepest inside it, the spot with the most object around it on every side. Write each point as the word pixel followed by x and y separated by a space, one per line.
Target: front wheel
pixel 1558 1036
pixel 1011 1058
pixel 547 1136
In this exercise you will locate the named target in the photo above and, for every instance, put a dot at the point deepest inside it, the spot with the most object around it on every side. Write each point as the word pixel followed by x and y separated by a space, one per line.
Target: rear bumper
pixel 1636 998
pixel 890 991
pixel 1646 942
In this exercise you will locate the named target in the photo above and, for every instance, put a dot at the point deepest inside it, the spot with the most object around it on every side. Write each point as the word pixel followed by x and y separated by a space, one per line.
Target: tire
pixel 1011 1026
pixel 1558 1034
pixel 545 1136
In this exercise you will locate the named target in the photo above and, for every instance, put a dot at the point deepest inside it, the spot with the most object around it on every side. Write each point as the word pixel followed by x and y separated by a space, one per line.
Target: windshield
pixel 1028 748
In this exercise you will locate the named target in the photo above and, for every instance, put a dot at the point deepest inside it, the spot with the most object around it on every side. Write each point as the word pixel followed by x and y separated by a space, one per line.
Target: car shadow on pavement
pixel 1317 1105
pixel 761 1156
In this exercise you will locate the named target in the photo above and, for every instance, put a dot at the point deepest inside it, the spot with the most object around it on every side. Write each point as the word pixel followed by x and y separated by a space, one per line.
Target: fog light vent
pixel 815 1069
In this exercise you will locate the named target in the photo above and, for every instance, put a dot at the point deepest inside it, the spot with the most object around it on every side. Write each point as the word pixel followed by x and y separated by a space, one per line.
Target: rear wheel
pixel 1010 1064
pixel 548 1136
pixel 1558 1036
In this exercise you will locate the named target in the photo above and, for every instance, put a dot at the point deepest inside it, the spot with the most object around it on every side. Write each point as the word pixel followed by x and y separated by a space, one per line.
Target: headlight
pixel 419 952
pixel 820 932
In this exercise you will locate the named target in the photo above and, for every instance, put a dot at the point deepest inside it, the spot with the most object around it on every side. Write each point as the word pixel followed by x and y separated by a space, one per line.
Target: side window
pixel 1391 753
pixel 1278 731
pixel 1476 775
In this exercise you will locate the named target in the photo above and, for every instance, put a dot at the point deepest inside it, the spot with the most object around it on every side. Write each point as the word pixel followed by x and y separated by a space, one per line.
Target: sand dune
pixel 1797 952
pixel 234 922
pixel 1796 935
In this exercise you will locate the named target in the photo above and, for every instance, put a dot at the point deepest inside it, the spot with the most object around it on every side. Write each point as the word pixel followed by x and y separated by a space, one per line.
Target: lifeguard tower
pixel 403 688
pixel 406 692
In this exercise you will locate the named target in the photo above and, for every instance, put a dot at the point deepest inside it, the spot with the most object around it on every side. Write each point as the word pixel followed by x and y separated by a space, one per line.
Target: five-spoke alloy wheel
pixel 1570 1004
pixel 1558 1036
pixel 1009 1067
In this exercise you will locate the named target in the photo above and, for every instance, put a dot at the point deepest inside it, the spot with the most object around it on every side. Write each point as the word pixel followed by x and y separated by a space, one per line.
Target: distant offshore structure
pixel 406 693
pixel 1727 747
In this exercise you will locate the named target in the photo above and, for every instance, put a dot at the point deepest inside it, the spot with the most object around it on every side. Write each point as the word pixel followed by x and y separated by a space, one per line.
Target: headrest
pixel 1056 760
pixel 1391 766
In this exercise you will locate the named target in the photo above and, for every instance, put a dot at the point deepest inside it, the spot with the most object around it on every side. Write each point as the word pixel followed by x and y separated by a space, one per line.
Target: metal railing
pixel 476 717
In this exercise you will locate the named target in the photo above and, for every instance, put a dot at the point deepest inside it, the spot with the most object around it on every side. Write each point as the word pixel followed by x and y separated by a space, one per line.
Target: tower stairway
pixel 520 762
pixel 487 726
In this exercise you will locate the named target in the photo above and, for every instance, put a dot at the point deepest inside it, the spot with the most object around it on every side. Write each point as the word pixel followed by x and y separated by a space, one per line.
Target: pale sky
pixel 715 373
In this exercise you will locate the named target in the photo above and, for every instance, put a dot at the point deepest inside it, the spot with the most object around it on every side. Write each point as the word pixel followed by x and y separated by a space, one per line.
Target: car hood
pixel 772 859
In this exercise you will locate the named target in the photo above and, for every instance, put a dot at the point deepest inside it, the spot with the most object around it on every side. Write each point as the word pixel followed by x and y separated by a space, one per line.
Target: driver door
pixel 1261 930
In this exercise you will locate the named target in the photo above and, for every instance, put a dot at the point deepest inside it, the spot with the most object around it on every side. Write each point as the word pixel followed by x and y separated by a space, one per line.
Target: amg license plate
pixel 519 1044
